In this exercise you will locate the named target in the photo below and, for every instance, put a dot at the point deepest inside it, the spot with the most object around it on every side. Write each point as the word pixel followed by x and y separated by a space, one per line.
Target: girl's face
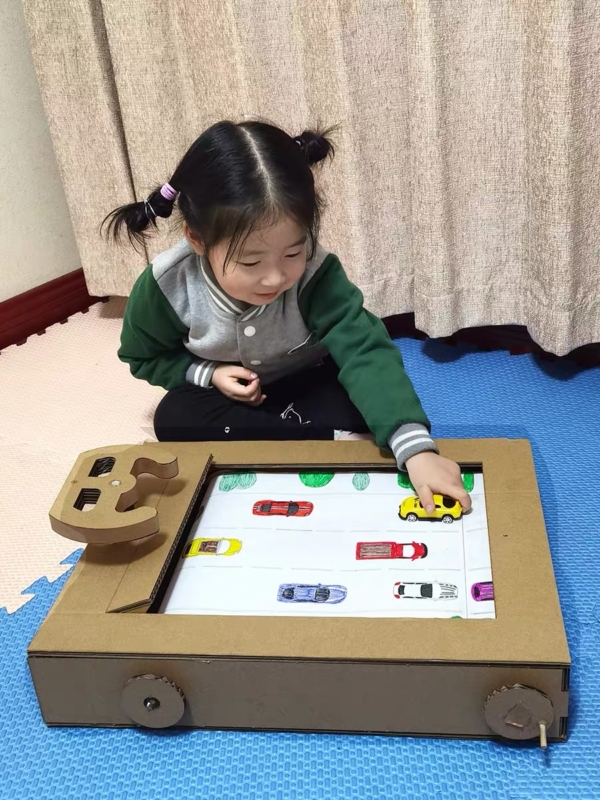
pixel 271 261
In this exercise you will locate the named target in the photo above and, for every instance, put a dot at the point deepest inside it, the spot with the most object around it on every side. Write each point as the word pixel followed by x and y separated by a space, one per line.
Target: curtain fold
pixel 76 77
pixel 466 185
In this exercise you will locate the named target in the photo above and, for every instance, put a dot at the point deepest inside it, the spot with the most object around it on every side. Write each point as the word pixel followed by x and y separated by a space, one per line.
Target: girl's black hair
pixel 234 178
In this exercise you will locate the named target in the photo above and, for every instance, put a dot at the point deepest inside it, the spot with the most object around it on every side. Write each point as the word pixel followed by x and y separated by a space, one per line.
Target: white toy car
pixel 425 591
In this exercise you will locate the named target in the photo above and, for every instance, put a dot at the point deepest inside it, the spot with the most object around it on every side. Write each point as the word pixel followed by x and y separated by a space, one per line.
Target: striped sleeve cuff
pixel 200 373
pixel 409 440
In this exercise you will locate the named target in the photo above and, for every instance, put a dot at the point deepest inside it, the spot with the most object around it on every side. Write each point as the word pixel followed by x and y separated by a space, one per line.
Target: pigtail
pixel 233 178
pixel 316 145
pixel 134 219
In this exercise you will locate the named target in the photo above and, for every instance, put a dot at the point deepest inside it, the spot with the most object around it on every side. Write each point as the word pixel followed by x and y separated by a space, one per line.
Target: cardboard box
pixel 103 657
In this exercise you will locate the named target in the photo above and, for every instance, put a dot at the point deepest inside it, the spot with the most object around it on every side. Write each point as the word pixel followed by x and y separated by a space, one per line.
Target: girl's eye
pixel 256 263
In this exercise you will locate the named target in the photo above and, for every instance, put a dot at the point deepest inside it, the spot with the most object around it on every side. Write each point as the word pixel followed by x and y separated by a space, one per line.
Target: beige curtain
pixel 467 181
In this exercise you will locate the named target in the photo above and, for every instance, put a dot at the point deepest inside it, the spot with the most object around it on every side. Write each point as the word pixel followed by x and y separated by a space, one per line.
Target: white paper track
pixel 270 544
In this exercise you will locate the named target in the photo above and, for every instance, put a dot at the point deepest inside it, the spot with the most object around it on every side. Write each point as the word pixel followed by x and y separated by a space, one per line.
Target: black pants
pixel 308 405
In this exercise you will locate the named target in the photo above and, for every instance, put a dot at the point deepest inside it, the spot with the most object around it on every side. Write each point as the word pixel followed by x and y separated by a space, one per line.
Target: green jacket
pixel 179 326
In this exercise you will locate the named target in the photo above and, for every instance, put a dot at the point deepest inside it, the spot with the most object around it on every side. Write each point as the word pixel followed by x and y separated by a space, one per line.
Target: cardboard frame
pixel 428 677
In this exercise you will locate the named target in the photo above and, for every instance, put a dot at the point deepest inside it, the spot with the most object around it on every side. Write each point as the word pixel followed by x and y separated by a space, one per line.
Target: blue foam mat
pixel 467 394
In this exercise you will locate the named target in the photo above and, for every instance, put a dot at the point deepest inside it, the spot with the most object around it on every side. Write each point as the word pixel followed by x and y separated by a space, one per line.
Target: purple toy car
pixel 483 590
pixel 310 593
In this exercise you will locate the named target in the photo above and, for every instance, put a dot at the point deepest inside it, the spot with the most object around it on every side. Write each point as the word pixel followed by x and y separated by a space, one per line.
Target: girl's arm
pixel 372 372
pixel 371 367
pixel 152 340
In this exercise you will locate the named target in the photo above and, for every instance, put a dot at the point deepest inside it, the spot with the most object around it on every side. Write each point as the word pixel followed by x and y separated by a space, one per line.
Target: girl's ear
pixel 196 243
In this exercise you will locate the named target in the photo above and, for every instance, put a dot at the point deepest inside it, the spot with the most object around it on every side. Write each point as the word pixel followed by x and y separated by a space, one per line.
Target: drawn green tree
pixel 468 479
pixel 237 480
pixel 316 480
pixel 404 481
pixel 360 481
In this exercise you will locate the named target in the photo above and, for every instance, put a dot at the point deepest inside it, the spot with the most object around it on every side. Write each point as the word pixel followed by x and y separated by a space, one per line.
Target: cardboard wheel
pixel 519 712
pixel 152 701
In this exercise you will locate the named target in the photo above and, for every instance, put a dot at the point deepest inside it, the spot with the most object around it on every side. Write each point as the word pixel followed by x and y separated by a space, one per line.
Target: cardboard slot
pixel 175 553
pixel 334 466
pixel 102 466
pixel 87 499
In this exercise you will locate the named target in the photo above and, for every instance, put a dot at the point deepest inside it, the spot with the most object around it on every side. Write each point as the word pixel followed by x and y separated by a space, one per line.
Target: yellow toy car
pixel 212 547
pixel 446 508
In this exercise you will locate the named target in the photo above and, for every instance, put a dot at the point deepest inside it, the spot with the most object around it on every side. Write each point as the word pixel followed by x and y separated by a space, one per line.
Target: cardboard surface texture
pixel 104 485
pixel 92 659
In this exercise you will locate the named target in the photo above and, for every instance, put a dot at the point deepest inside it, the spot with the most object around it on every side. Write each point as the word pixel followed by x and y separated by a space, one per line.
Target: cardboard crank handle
pixel 520 713
pixel 95 505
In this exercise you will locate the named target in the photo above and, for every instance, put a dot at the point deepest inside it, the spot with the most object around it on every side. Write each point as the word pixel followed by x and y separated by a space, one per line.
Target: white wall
pixel 36 237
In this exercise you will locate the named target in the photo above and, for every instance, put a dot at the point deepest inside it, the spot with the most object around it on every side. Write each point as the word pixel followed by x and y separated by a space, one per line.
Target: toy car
pixel 412 550
pixel 425 591
pixel 310 593
pixel 277 508
pixel 212 547
pixel 484 590
pixel 446 508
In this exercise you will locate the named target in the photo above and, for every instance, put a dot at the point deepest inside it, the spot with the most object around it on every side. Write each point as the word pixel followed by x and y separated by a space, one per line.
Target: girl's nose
pixel 272 282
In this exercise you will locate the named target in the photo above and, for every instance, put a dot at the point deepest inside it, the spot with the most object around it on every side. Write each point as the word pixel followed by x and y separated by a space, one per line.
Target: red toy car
pixel 279 508
pixel 412 550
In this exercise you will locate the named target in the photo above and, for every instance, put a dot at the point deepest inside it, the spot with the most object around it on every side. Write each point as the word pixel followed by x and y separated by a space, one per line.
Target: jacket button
pixel 249 331
pixel 255 363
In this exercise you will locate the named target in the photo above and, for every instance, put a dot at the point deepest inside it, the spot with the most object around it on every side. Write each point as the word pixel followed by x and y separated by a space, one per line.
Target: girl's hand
pixel 432 474
pixel 226 378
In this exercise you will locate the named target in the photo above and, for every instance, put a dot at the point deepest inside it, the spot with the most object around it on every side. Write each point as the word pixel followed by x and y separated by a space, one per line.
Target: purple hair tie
pixel 168 192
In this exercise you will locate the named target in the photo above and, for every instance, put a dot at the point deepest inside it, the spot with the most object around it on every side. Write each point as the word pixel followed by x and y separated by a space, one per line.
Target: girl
pixel 251 326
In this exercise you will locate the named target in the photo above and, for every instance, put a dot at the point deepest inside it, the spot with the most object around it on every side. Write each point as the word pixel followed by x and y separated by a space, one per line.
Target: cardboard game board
pixel 299 586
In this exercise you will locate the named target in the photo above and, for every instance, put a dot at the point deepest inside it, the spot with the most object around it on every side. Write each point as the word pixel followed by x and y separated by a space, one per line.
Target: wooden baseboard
pixel 514 338
pixel 34 311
